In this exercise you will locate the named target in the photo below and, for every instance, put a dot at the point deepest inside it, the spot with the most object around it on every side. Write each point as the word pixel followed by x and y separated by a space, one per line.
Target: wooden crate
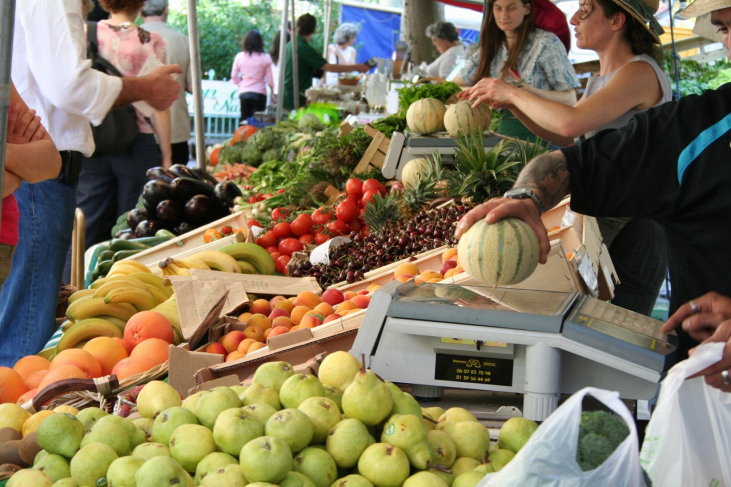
pixel 375 156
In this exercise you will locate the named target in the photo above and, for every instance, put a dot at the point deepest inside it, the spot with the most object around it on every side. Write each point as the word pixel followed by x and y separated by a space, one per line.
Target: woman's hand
pixel 701 317
pixel 23 125
pixel 714 375
pixel 494 91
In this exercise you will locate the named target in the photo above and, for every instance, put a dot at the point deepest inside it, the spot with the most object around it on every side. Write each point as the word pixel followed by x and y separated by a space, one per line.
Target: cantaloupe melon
pixel 461 116
pixel 426 116
pixel 485 112
pixel 500 254
pixel 414 170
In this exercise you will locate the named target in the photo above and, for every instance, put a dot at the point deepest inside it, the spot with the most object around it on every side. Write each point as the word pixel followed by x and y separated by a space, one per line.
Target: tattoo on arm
pixel 548 176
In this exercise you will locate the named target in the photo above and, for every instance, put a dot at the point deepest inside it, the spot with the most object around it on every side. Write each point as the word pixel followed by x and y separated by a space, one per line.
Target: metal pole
pixel 197 76
pixel 7 23
pixel 282 60
pixel 326 31
pixel 295 70
pixel 675 55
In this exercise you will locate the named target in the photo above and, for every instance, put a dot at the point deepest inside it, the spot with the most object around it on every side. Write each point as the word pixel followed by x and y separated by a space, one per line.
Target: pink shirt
pixel 9 223
pixel 127 48
pixel 252 72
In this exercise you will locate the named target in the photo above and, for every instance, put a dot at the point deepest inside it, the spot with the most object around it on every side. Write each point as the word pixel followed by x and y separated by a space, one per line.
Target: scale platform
pixel 538 343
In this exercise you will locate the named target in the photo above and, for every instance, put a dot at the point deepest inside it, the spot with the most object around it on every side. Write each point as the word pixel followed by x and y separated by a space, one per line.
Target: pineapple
pixel 428 187
pixel 382 211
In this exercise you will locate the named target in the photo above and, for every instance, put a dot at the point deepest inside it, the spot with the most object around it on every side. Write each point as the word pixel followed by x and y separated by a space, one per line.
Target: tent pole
pixel 326 30
pixel 295 69
pixel 196 77
pixel 7 23
pixel 282 60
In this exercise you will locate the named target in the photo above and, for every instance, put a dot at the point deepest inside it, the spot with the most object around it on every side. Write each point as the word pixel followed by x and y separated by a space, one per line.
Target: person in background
pixel 445 38
pixel 308 62
pixel 252 73
pixel 342 51
pixel 52 74
pixel 274 53
pixel 625 36
pixel 512 48
pixel 155 13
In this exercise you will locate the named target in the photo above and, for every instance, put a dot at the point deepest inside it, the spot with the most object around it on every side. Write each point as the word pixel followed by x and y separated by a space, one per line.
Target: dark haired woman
pixel 274 53
pixel 512 48
pixel 252 72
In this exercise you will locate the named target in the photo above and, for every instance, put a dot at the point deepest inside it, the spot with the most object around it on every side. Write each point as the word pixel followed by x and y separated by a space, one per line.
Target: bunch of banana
pixel 118 249
pixel 126 267
pixel 217 260
pixel 252 259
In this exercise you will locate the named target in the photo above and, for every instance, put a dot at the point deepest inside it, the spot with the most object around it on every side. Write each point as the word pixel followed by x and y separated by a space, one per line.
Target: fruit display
pixel 108 253
pixel 461 117
pixel 426 116
pixel 238 258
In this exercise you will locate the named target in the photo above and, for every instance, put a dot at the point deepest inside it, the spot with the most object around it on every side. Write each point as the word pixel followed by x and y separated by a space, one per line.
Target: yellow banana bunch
pixel 126 267
pixel 218 261
pixel 174 267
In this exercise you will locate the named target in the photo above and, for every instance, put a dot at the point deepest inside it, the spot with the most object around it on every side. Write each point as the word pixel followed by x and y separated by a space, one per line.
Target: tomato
pixel 322 215
pixel 275 256
pixel 321 238
pixel 280 263
pixel 254 223
pixel 365 231
pixel 272 249
pixel 302 224
pixel 371 184
pixel 280 191
pixel 214 156
pixel 354 187
pixel 282 230
pixel 290 245
pixel 368 196
pixel 306 239
pixel 346 211
pixel 337 227
pixel 280 213
pixel 267 240
pixel 354 226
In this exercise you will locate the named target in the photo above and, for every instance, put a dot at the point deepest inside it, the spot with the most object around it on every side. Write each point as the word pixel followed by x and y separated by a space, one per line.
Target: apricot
pixel 345 306
pixel 361 302
pixel 244 317
pixel 278 330
pixel 260 306
pixel 349 294
pixel 405 268
pixel 448 254
pixel 276 313
pixel 35 379
pixel 255 346
pixel 307 298
pixel 297 314
pixel 333 297
pixel 244 345
pixel 60 372
pixel 259 320
pixel 231 340
pixel 30 364
pixel 324 309
pixel 282 321
pixel 154 348
pixel 332 317
pixel 253 332
pixel 215 348
pixel 284 304
pixel 235 355
pixel 404 278
pixel 311 321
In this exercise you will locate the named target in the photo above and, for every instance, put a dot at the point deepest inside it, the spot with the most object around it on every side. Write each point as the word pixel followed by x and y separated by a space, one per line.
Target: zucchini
pixel 104 267
pixel 105 255
pixel 119 244
pixel 124 254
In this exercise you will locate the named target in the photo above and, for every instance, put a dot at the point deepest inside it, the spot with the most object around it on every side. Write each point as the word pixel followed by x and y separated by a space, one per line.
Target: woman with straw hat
pixel 713 19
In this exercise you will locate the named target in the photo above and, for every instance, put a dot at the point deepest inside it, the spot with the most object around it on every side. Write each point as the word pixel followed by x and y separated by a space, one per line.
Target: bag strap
pixel 92 52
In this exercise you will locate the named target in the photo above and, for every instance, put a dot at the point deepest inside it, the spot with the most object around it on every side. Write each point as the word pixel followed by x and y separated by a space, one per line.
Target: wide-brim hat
pixel 644 12
pixel 702 7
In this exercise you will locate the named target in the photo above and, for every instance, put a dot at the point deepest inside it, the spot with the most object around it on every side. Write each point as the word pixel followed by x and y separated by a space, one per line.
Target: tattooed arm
pixel 548 176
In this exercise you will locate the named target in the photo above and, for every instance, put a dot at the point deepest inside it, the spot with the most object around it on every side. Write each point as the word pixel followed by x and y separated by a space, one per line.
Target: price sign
pixel 474 370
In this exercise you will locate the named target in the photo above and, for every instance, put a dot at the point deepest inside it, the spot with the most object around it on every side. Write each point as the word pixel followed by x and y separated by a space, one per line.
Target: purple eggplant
pixel 135 216
pixel 184 227
pixel 204 175
pixel 170 211
pixel 184 189
pixel 147 228
pixel 181 171
pixel 160 173
pixel 155 191
pixel 226 192
pixel 200 209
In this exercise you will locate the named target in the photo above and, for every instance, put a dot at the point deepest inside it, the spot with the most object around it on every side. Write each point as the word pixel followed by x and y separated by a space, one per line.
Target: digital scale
pixel 537 343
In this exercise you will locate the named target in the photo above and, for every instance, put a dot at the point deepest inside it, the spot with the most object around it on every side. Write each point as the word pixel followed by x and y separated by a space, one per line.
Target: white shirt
pixel 53 76
pixel 339 56
pixel 444 64
pixel 178 52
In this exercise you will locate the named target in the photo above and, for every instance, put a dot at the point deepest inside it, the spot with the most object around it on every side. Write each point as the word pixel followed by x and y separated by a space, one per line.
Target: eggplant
pixel 155 191
pixel 170 211
pixel 204 175
pixel 181 171
pixel 149 208
pixel 200 209
pixel 225 192
pixel 183 228
pixel 135 216
pixel 184 189
pixel 147 228
pixel 160 173
pixel 126 234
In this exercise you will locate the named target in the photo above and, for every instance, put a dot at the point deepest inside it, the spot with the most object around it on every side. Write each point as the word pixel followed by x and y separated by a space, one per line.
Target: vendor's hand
pixel 700 317
pixel 713 374
pixel 500 208
pixel 361 68
pixel 23 127
pixel 163 89
pixel 494 91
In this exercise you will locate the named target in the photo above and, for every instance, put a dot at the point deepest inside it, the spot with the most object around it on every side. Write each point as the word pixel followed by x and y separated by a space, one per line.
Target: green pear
pixel 265 459
pixel 405 431
pixel 384 465
pixel 110 434
pixel 338 370
pixel 127 425
pixel 146 451
pixel 211 463
pixel 212 403
pixel 90 416
pixel 471 439
pixel 55 467
pixel 29 478
pixel 41 454
pixel 232 394
pixel 191 401
pixel 402 403
pixel 168 421
pixel 259 394
pixel 239 390
pixel 262 412
pixel 292 426
pixel 515 433
pixel 90 464
pixel 156 397
pixel 424 479
pixel 367 399
pixel 137 439
pixel 334 395
pixel 228 476
pixel 261 484
pixel 433 412
pixel 447 476
pixel 352 480
pixel 298 388
pixel 317 465
pixel 457 415
pixel 121 472
pixel 499 458
pixel 468 479
pixel 323 413
pixel 427 424
pixel 144 424
pixel 346 441
pixel 234 428
pixel 484 468
pixel 273 374
pixel 442 448
pixel 462 465
pixel 296 479
pixel 447 427
pixel 159 471
pixel 60 434
pixel 67 482
pixel 190 443
pixel 493 447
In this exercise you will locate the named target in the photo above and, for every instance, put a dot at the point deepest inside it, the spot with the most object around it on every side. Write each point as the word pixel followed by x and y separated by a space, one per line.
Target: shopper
pixel 155 13
pixel 274 53
pixel 252 73
pixel 309 63
pixel 52 75
pixel 446 39
pixel 512 48
pixel 342 51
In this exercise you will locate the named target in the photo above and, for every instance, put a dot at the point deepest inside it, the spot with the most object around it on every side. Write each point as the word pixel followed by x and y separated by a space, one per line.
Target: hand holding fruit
pixel 494 91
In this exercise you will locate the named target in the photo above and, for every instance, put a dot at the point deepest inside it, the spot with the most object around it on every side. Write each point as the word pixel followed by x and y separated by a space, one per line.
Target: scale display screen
pixel 474 370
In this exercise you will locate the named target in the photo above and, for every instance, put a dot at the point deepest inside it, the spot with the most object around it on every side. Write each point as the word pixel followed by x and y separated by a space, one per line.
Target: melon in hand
pixel 499 254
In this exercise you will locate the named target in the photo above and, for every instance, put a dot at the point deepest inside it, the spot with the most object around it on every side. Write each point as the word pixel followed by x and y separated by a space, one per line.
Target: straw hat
pixel 644 12
pixel 701 7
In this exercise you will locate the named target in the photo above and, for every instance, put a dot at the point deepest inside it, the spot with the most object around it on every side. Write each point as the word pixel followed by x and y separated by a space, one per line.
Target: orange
pixel 144 325
pixel 12 385
pixel 60 372
pixel 154 348
pixel 30 364
pixel 107 352
pixel 132 366
pixel 78 358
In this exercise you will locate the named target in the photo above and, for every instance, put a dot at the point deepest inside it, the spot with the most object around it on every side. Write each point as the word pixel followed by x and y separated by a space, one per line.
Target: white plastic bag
pixel 688 439
pixel 548 459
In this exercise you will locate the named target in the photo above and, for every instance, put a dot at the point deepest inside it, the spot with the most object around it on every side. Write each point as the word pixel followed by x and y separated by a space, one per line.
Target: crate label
pixel 488 371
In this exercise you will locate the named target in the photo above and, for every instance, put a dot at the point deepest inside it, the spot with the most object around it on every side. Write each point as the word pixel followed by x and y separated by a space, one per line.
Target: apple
pixel 446 265
pixel 333 297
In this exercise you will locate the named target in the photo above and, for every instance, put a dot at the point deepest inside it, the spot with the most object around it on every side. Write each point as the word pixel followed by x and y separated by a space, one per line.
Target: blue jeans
pixel 29 296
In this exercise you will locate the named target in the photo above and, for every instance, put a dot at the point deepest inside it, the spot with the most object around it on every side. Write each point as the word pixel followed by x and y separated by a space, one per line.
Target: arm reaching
pixel 701 318
pixel 158 89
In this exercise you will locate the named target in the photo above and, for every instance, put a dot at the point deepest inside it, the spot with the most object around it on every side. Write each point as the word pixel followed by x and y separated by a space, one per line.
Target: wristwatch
pixel 523 193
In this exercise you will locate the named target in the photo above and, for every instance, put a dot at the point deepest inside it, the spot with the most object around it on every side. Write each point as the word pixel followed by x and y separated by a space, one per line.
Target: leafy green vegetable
pixel 695 77
pixel 442 92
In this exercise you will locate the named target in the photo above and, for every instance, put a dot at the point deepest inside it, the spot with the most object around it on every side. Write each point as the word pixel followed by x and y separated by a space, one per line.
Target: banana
pixel 80 294
pixel 142 299
pixel 131 263
pixel 178 270
pixel 105 288
pixel 91 307
pixel 195 263
pixel 246 267
pixel 66 325
pixel 98 282
pixel 150 279
pixel 219 261
pixel 116 321
pixel 172 317
pixel 253 254
pixel 123 269
pixel 173 267
pixel 47 353
pixel 86 330
pixel 159 295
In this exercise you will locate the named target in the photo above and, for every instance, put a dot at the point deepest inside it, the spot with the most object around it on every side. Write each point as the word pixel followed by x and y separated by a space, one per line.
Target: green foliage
pixel 409 94
pixel 695 77
pixel 600 434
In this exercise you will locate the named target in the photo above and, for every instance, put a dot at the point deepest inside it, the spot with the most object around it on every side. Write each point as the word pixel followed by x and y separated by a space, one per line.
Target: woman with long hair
pixel 274 53
pixel 252 72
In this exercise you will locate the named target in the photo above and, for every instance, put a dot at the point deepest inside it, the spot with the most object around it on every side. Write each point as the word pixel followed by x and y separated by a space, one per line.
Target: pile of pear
pixel 285 429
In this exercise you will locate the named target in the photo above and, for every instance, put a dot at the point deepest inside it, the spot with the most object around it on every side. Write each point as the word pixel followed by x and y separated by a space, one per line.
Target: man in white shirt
pixel 53 76
pixel 155 13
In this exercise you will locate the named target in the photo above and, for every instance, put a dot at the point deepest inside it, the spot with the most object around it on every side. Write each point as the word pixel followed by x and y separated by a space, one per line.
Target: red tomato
pixel 290 245
pixel 368 196
pixel 337 227
pixel 321 238
pixel 272 249
pixel 279 213
pixel 282 230
pixel 354 187
pixel 275 256
pixel 302 224
pixel 371 184
pixel 254 223
pixel 267 240
pixel 346 211
pixel 354 226
pixel 306 239
pixel 280 264
pixel 280 191
pixel 322 216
